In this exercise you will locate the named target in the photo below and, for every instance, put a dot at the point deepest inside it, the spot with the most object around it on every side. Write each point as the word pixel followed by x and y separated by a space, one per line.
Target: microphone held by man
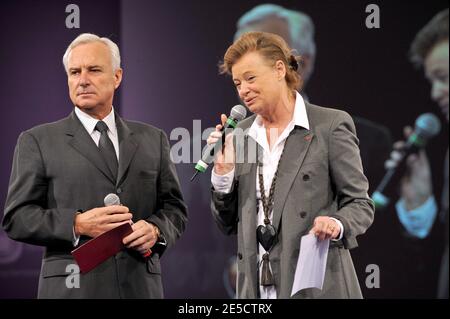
pixel 133 241
pixel 426 127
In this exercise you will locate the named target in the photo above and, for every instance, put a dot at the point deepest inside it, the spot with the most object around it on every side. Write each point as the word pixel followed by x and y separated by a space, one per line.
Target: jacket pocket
pixel 148 177
pixel 154 265
pixel 59 267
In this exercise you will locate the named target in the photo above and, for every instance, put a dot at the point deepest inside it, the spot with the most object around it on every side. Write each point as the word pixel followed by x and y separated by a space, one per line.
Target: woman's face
pixel 258 82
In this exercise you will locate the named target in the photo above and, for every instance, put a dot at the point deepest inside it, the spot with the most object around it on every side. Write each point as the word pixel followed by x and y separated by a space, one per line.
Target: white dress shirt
pixel 89 124
pixel 270 159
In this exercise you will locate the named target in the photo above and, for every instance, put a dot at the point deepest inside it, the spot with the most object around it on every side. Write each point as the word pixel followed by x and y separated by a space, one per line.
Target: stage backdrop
pixel 170 52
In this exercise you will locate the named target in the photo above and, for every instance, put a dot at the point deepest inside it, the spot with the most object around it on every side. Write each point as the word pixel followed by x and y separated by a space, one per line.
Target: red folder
pixel 97 250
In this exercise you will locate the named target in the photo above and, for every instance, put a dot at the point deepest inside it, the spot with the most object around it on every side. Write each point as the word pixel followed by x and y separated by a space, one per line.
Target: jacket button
pixel 239 256
pixel 119 190
pixel 303 214
pixel 306 177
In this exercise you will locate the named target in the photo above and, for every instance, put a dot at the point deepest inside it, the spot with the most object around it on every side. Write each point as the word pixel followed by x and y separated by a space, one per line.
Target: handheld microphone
pixel 238 112
pixel 112 199
pixel 426 127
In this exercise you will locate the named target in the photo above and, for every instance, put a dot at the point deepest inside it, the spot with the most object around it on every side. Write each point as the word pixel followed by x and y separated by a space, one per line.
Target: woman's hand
pixel 325 228
pixel 225 158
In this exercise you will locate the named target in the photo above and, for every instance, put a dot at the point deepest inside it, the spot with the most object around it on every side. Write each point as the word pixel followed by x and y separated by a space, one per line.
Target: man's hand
pixel 143 237
pixel 96 221
pixel 416 186
pixel 325 228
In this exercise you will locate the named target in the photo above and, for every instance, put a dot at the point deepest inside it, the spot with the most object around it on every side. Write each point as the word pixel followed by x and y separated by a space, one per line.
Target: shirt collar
pixel 300 118
pixel 90 122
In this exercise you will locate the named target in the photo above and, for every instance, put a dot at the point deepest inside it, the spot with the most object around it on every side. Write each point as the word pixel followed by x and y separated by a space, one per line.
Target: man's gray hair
pixel 90 38
pixel 301 27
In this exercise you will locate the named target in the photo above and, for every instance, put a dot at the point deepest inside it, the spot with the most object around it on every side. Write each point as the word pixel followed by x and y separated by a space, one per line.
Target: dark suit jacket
pixel 57 170
pixel 320 174
pixel 375 145
pixel 443 273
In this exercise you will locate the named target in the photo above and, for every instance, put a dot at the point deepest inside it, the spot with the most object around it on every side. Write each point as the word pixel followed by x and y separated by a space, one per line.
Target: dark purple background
pixel 170 51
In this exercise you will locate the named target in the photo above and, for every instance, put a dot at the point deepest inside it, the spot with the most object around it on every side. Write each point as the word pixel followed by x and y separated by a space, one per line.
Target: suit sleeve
pixel 26 217
pixel 171 214
pixel 224 208
pixel 355 208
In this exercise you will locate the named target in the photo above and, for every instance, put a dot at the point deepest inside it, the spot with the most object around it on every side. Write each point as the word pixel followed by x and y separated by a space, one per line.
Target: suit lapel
pixel 249 212
pixel 83 143
pixel 127 148
pixel 295 150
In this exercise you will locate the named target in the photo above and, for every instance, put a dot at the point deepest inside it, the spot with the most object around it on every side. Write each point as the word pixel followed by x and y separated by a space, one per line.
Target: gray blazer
pixel 320 175
pixel 58 169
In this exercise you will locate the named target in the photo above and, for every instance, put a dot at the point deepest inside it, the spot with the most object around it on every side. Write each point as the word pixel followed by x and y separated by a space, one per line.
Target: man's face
pixel 436 71
pixel 91 79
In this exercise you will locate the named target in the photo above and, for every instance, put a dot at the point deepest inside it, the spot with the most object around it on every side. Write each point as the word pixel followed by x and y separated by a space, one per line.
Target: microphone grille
pixel 428 125
pixel 238 112
pixel 111 199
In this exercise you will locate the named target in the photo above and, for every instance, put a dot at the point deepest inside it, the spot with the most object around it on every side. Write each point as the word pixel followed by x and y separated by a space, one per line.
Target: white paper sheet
pixel 311 264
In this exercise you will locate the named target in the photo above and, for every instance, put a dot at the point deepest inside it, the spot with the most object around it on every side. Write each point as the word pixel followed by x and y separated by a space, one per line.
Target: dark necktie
pixel 106 148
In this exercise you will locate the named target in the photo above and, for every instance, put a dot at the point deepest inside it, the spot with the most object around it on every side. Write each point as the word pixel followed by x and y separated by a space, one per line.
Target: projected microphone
pixel 238 112
pixel 426 127
pixel 112 199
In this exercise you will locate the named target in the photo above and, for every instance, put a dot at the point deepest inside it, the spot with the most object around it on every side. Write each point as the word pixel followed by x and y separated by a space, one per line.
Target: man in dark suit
pixel 63 170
